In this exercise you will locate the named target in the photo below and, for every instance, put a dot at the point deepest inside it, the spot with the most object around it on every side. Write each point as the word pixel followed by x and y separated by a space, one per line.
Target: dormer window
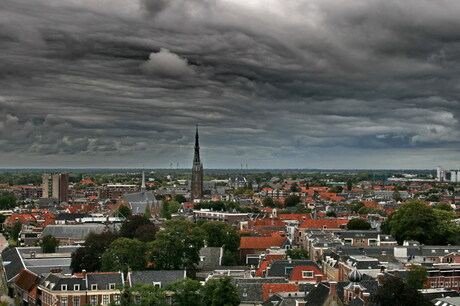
pixel 307 274
pixel 93 286
pixel 63 287
pixel 111 286
pixel 157 284
pixel 76 287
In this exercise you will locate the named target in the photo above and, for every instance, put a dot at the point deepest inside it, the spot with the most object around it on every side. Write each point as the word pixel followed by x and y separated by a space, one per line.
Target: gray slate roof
pixel 138 201
pixel 151 276
pixel 72 231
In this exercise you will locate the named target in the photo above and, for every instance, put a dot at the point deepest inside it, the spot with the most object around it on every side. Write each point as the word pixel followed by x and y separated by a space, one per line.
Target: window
pixel 137 299
pixel 288 270
pixel 94 300
pixel 76 301
pixel 432 285
pixel 105 299
pixel 63 287
pixel 64 301
pixel 157 284
pixel 117 299
pixel 307 274
pixel 76 287
pixel 94 287
pixel 111 286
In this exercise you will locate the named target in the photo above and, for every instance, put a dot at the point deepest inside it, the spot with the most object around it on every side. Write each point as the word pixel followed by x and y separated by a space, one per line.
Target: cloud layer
pixel 318 83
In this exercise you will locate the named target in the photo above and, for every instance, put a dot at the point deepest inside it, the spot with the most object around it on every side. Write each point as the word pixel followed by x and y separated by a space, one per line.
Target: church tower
pixel 197 172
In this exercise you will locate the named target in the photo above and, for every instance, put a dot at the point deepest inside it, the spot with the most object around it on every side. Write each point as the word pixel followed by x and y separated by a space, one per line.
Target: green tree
pixel 292 200
pixel 89 256
pixel 144 295
pixel 169 207
pixel 443 206
pixel 220 234
pixel 225 293
pixel 15 230
pixel 349 185
pixel 417 276
pixel 177 246
pixel 336 189
pixel 129 226
pixel 298 253
pixel 146 232
pixel 332 214
pixel 394 291
pixel 268 202
pixel 302 209
pixel 357 207
pixel 123 211
pixel 180 198
pixel 186 292
pixel 124 253
pixel 49 244
pixel 417 221
pixel 7 201
pixel 294 187
pixel 358 224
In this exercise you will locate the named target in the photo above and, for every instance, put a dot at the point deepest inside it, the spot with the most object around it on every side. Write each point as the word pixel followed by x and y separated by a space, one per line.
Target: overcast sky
pixel 272 83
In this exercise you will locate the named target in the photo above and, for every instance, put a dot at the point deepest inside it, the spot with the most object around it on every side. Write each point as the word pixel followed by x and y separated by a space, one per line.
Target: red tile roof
pixel 297 275
pixel 270 289
pixel 298 217
pixel 324 223
pixel 261 242
pixel 27 280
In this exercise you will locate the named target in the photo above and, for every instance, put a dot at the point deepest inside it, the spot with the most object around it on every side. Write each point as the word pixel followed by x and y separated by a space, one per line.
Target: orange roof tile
pixel 297 275
pixel 261 242
pixel 270 289
pixel 323 223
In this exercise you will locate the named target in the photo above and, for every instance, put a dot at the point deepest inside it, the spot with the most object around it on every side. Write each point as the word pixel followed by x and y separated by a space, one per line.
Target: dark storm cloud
pixel 272 83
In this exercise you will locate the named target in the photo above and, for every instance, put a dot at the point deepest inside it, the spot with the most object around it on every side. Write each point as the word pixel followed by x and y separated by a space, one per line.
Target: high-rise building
pixel 197 172
pixel 56 186
pixel 46 186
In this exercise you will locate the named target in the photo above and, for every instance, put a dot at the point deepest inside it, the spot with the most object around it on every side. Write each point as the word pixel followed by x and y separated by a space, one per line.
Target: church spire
pixel 196 158
pixel 197 172
pixel 143 181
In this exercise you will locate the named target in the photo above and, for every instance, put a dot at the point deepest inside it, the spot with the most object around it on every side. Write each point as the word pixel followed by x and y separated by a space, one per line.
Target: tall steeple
pixel 197 172
pixel 196 158
pixel 143 181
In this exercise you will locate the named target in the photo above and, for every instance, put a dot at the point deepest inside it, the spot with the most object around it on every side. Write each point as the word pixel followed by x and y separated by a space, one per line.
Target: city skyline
pixel 272 85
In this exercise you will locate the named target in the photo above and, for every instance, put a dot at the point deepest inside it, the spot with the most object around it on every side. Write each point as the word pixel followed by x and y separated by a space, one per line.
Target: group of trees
pixel 7 201
pixel 186 291
pixel 417 221
pixel 139 245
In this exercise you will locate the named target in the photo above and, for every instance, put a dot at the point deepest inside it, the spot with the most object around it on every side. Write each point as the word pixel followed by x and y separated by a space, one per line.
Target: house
pixel 80 289
pixel 259 245
pixel 25 287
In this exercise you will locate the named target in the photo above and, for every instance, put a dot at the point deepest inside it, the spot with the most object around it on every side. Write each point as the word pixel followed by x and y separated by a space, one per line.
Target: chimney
pixel 84 273
pixel 333 289
pixel 366 298
pixel 318 278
